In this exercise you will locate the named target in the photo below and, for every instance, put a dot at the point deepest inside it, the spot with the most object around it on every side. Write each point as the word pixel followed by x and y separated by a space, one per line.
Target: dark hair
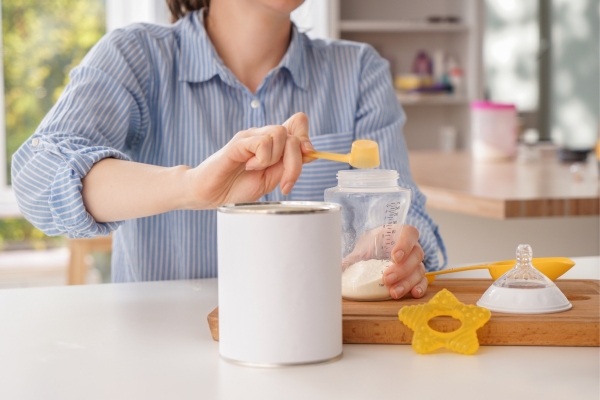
pixel 179 8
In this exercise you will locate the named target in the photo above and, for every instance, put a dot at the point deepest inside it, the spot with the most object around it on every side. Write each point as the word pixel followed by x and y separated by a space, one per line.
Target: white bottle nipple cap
pixel 524 290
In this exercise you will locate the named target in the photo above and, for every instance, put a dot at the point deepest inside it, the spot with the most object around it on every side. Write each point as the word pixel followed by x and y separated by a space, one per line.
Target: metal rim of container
pixel 280 365
pixel 312 207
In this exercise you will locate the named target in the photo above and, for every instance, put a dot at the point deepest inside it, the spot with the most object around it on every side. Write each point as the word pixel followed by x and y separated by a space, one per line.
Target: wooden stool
pixel 80 248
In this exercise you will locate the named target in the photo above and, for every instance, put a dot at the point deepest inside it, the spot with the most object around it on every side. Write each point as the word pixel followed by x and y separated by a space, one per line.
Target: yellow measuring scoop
pixel 552 267
pixel 364 154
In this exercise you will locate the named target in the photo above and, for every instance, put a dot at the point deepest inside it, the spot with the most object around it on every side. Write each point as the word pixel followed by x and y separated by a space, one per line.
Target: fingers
pixel 397 272
pixel 292 164
pixel 409 237
pixel 419 289
pixel 297 125
pixel 407 272
pixel 264 145
pixel 413 282
pixel 279 148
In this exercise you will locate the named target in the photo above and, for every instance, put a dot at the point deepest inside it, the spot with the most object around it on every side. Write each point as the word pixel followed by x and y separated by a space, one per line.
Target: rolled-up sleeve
pixel 379 117
pixel 102 113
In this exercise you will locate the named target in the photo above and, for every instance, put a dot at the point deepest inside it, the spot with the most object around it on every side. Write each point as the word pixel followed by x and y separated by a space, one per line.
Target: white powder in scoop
pixel 364 281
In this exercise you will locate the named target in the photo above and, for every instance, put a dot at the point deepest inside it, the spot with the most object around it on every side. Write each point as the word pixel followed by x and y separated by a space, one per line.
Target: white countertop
pixel 151 341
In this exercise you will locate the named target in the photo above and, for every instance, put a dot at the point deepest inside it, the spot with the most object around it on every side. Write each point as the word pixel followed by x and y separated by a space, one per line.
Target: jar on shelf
pixel 374 210
pixel 493 130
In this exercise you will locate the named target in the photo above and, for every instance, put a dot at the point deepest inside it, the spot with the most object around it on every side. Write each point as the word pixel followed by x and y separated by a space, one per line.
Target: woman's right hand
pixel 407 272
pixel 248 167
pixel 251 165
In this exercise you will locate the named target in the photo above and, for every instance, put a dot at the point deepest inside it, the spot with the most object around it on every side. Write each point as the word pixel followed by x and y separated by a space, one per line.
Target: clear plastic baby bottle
pixel 374 209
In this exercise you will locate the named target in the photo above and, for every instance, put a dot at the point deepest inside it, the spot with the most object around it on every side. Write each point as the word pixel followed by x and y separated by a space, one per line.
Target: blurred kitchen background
pixel 540 55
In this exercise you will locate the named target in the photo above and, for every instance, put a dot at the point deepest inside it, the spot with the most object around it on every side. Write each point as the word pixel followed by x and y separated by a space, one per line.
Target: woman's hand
pixel 407 273
pixel 251 165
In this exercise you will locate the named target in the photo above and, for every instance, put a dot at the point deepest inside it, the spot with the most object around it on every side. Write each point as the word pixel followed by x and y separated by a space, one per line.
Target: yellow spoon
pixel 364 154
pixel 552 267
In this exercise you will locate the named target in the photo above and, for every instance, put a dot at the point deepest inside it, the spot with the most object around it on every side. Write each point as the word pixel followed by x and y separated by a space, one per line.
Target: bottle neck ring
pixel 367 178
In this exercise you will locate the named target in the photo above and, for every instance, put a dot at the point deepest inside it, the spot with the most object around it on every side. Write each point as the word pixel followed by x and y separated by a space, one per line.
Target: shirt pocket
pixel 322 174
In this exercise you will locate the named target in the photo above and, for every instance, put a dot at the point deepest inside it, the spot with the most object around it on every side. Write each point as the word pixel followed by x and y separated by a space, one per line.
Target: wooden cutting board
pixel 377 322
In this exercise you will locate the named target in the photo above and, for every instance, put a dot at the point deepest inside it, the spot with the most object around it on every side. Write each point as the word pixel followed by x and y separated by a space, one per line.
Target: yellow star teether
pixel 426 340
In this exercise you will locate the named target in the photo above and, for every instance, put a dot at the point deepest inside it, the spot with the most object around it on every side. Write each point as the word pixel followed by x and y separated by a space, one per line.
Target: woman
pixel 144 137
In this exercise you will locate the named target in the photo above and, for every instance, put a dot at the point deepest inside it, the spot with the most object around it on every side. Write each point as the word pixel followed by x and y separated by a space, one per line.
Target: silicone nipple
pixel 524 275
pixel 426 340
pixel 524 290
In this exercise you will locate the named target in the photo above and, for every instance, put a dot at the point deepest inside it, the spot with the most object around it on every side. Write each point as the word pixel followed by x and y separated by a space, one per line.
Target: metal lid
pixel 280 207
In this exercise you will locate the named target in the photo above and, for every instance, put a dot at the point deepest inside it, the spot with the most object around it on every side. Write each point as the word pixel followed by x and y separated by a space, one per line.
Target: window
pixel 41 42
pixel 543 57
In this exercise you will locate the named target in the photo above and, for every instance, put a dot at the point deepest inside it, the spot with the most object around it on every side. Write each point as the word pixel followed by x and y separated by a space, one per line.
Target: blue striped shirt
pixel 161 95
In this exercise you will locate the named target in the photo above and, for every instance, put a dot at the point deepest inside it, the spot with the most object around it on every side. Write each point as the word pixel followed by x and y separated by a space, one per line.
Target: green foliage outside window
pixel 42 41
pixel 18 234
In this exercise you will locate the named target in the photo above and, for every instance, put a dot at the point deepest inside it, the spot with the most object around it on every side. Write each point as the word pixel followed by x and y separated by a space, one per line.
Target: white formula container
pixel 280 299
pixel 493 130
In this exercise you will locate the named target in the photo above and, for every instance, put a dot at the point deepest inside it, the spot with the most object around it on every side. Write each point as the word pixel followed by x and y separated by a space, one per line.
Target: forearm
pixel 117 190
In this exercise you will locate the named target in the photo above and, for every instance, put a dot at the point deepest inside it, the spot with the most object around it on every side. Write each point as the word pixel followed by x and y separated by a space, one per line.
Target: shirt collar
pixel 199 61
pixel 294 59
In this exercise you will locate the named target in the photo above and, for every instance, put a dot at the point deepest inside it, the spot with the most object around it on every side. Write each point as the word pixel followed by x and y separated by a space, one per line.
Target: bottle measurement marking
pixel 390 221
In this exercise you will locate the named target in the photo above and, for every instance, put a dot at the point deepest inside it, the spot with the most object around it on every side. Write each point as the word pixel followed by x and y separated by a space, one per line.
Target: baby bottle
pixel 374 209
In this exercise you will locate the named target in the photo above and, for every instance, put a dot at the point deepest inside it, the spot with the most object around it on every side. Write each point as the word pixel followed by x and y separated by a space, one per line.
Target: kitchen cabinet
pixel 399 29
pixel 505 189
pixel 485 209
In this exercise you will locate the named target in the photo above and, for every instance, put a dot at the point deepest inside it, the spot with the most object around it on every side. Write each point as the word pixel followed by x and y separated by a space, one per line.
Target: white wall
pixel 312 17
pixel 121 13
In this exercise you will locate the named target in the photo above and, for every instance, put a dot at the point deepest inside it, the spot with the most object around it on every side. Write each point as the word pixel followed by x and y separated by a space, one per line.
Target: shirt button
pixel 35 142
pixel 255 103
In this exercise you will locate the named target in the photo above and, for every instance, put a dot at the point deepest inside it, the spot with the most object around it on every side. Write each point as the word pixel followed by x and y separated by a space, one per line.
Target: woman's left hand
pixel 408 272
